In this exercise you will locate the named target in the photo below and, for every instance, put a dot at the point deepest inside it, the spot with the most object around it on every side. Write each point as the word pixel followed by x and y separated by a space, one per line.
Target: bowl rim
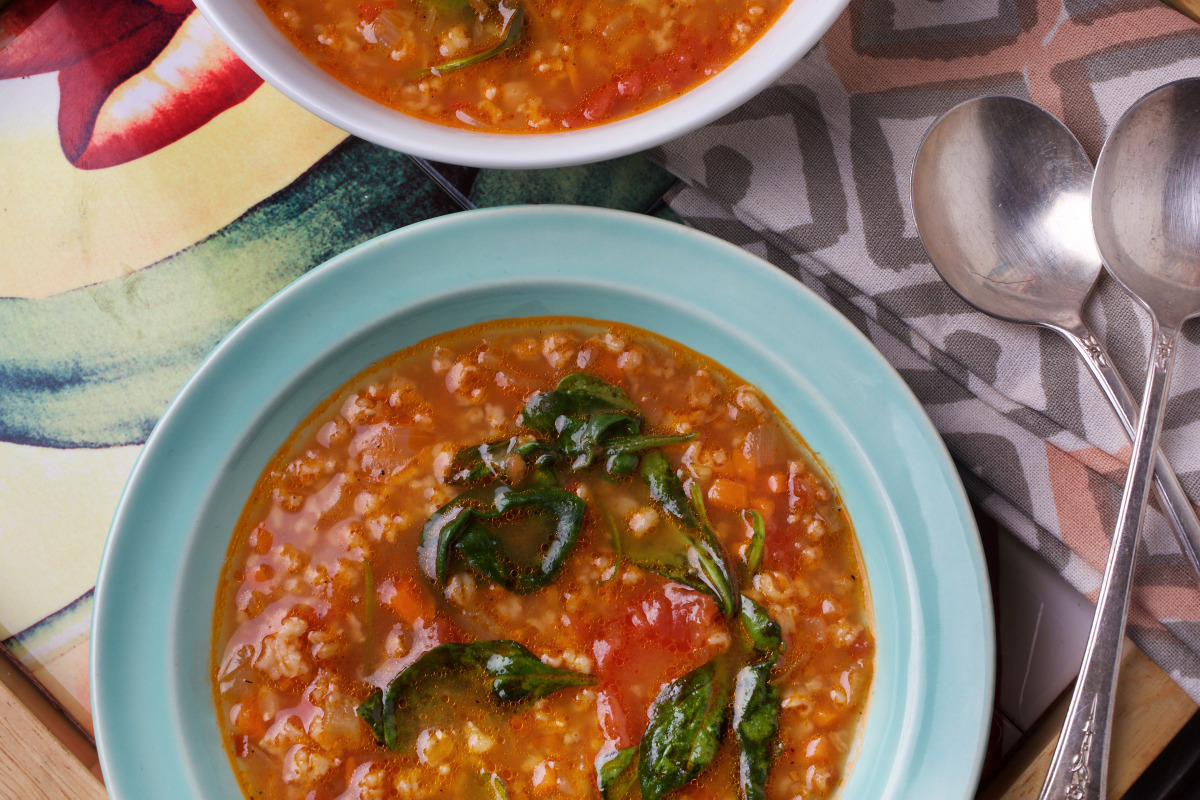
pixel 940 585
pixel 242 26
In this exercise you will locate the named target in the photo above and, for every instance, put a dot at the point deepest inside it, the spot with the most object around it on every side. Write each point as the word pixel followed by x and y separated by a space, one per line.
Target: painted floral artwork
pixel 152 194
pixel 133 75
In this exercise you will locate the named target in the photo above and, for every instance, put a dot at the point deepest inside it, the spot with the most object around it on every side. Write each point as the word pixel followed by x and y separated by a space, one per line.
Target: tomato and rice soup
pixel 522 66
pixel 544 558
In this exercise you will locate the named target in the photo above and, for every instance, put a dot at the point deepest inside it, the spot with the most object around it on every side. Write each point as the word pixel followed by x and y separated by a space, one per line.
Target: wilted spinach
pixel 461 527
pixel 703 548
pixel 756 708
pixel 510 671
pixel 482 463
pixel 758 541
pixel 590 419
pixel 512 16
pixel 684 732
pixel 616 773
pixel 764 632
pixel 491 787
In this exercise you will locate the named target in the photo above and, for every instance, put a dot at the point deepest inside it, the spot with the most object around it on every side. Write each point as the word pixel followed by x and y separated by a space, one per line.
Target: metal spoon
pixel 1146 214
pixel 1000 192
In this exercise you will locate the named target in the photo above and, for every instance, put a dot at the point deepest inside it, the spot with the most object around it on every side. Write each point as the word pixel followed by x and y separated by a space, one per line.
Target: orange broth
pixel 571 63
pixel 324 597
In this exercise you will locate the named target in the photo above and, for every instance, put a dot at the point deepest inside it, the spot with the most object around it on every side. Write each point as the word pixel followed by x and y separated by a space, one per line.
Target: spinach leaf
pixel 513 14
pixel 704 551
pixel 564 508
pixel 368 611
pixel 492 787
pixel 459 528
pixel 679 573
pixel 371 712
pixel 756 708
pixel 698 504
pixel 758 540
pixel 684 732
pixel 581 385
pixel 448 6
pixel 407 690
pixel 580 438
pixel 763 631
pixel 517 674
pixel 616 773
pixel 618 548
pixel 511 673
pixel 619 458
pixel 666 489
pixel 577 396
pixel 482 463
pixel 441 532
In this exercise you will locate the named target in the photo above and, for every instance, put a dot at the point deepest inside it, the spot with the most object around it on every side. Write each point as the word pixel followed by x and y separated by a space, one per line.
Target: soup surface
pixel 522 66
pixel 537 559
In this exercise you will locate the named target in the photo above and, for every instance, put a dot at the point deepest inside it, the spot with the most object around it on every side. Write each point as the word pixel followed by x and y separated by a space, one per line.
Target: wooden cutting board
pixel 35 764
pixel 1189 7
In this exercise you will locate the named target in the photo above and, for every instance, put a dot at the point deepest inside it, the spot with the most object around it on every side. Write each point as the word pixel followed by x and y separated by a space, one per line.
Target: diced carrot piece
pixel 407 598
pixel 727 494
pixel 247 718
pixel 743 465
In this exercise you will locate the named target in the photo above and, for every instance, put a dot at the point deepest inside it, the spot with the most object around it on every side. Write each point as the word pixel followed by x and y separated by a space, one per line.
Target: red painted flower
pixel 133 75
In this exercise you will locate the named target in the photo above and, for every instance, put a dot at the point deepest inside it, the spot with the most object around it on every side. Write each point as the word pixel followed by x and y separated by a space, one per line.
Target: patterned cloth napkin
pixel 813 175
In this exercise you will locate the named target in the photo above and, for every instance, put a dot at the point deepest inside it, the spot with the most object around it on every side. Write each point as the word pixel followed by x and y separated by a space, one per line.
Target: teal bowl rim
pixel 929 711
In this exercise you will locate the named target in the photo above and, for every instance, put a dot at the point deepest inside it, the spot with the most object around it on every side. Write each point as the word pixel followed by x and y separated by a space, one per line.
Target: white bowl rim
pixel 265 50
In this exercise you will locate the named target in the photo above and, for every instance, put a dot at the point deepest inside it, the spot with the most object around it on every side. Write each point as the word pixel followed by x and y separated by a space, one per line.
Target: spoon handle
pixel 1175 502
pixel 1079 769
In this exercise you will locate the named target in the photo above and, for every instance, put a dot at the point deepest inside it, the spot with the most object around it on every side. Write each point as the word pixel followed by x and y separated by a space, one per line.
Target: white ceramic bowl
pixel 243 25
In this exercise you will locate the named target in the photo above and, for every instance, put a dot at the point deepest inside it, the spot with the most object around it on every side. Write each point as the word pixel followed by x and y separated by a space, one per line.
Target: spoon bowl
pixel 1144 208
pixel 1146 202
pixel 1000 192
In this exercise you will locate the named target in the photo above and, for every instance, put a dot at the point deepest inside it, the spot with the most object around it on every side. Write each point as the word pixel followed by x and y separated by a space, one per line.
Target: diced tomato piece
pixel 631 86
pixel 654 637
pixel 599 103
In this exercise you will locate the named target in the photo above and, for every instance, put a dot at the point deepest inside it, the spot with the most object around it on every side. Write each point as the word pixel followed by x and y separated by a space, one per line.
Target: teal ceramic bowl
pixel 928 714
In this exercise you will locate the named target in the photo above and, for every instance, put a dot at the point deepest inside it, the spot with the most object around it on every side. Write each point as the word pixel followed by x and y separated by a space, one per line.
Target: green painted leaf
pixel 756 707
pixel 616 773
pixel 684 732
pixel 763 631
